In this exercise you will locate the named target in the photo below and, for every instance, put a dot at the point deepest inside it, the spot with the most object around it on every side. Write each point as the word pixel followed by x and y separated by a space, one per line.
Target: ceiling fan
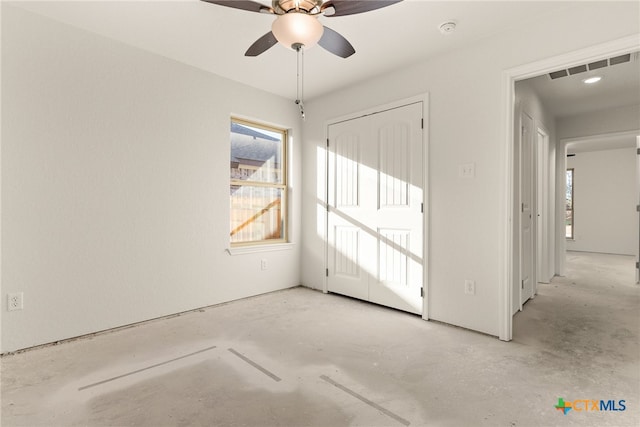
pixel 297 24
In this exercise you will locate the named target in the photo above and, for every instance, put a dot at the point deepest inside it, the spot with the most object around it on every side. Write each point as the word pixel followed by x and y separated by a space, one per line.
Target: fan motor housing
pixel 285 6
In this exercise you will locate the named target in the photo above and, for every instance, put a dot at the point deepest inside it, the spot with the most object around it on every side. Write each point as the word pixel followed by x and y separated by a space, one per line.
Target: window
pixel 569 205
pixel 258 184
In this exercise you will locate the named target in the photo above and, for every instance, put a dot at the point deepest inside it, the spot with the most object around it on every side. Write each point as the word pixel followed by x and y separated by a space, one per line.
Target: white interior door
pixel 351 242
pixel 375 230
pixel 526 209
pixel 638 206
pixel 542 209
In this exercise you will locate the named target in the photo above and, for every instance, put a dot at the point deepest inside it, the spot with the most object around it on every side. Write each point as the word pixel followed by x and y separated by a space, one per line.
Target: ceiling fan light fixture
pixel 297 28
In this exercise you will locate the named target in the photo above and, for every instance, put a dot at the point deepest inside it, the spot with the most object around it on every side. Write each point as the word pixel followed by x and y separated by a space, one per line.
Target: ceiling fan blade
pixel 249 5
pixel 351 7
pixel 336 44
pixel 261 45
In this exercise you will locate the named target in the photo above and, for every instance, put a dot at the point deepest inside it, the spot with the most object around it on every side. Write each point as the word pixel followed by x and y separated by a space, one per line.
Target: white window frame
pixel 264 244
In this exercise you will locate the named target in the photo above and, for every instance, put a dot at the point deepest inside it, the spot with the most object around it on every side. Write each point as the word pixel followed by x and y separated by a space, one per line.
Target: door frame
pixel 420 98
pixel 507 194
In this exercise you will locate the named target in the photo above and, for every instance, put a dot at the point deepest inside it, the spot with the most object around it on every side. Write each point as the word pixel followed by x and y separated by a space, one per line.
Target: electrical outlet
pixel 468 170
pixel 470 287
pixel 263 264
pixel 14 301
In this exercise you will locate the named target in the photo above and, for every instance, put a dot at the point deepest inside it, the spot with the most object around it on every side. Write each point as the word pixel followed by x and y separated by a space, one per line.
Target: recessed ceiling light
pixel 592 80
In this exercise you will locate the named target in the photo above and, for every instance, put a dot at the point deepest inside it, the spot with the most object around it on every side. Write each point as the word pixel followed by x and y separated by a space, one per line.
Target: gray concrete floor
pixel 301 358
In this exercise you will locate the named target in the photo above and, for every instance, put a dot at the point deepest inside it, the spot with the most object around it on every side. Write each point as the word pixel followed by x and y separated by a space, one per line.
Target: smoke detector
pixel 448 27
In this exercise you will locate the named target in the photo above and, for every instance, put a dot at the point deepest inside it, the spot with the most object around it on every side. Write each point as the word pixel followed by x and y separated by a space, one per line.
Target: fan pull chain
pixel 300 77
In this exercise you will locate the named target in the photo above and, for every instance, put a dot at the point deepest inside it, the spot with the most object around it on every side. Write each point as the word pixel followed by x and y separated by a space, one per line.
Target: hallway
pixel 587 326
pixel 301 358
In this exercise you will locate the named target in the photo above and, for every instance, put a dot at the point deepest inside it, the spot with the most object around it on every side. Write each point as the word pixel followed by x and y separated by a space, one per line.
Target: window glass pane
pixel 256 214
pixel 256 154
pixel 569 197
pixel 569 205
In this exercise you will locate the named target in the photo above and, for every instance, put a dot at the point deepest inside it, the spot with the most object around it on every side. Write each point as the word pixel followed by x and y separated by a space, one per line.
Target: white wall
pixel 115 174
pixel 464 126
pixel 605 196
pixel 527 101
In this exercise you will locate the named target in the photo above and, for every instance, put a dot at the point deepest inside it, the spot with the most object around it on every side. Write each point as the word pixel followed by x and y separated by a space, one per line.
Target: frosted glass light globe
pixel 297 27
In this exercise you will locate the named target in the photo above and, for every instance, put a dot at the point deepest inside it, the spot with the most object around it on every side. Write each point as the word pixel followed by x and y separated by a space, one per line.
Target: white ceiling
pixel 610 142
pixel 605 142
pixel 569 96
pixel 214 38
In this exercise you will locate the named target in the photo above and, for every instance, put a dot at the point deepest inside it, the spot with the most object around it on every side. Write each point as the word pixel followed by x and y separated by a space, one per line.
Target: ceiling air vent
pixel 620 59
pixel 598 64
pixel 595 65
pixel 578 69
pixel 558 74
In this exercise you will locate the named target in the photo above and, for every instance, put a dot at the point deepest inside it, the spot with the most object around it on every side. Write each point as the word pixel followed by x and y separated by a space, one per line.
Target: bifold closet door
pixel 375 221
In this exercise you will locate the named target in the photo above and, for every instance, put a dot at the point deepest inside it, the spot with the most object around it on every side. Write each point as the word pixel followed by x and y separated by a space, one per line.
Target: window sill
pixel 241 250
